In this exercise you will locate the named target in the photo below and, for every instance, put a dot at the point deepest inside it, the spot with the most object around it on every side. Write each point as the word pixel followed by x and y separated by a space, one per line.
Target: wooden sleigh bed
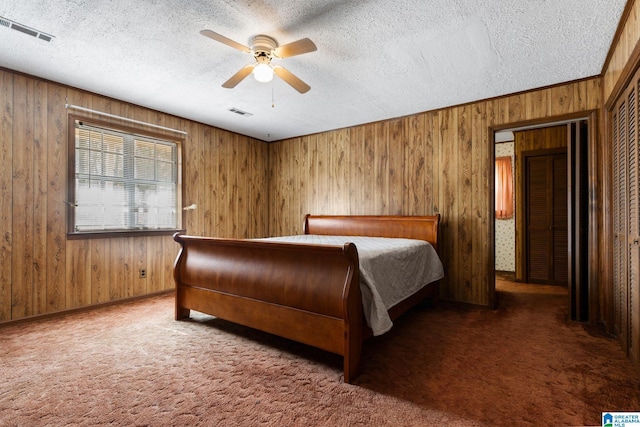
pixel 307 293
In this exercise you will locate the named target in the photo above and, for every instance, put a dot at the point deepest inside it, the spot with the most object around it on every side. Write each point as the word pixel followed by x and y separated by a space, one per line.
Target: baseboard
pixel 83 309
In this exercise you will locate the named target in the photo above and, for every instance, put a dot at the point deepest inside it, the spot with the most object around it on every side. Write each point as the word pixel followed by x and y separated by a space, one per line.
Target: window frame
pixel 71 180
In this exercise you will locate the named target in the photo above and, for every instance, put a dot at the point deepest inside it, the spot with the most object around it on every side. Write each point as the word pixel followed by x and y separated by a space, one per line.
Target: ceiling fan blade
pixel 291 79
pixel 222 39
pixel 239 76
pixel 295 48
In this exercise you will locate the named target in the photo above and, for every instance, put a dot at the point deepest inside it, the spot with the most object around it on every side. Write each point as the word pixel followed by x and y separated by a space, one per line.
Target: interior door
pixel 626 220
pixel 546 217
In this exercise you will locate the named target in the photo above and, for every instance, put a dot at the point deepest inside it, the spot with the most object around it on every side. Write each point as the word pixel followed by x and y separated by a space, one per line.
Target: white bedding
pixel 391 270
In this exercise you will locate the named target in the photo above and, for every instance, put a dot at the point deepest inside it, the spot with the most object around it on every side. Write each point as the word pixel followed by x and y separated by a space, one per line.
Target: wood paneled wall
pixel 426 163
pixel 40 270
pixel 433 162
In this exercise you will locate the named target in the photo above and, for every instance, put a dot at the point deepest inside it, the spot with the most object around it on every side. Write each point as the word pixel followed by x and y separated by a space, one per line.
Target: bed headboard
pixel 409 227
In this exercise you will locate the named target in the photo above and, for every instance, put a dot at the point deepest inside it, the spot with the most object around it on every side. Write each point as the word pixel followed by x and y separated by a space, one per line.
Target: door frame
pixel 591 117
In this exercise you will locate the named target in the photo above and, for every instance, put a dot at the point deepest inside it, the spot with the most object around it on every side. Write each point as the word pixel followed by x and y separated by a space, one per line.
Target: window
pixel 504 188
pixel 122 181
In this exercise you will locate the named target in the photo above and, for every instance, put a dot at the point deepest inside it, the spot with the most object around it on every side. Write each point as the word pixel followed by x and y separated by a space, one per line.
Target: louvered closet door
pixel 546 219
pixel 539 205
pixel 620 222
pixel 626 221
pixel 633 241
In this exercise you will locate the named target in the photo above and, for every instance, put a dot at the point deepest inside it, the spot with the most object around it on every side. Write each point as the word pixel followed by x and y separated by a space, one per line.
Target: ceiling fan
pixel 264 48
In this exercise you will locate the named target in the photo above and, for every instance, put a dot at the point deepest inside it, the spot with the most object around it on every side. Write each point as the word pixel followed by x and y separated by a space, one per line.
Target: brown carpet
pixel 132 364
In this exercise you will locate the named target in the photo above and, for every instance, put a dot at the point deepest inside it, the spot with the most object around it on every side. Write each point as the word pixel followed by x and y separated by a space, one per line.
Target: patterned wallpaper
pixel 506 228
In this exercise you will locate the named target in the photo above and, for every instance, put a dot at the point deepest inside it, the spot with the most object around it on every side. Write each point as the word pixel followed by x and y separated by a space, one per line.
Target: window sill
pixel 123 233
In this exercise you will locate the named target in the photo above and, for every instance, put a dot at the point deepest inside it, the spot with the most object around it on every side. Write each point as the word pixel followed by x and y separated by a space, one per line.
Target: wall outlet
pixel 143 273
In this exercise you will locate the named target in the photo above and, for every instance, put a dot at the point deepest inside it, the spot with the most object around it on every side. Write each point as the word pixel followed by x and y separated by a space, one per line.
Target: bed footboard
pixel 307 293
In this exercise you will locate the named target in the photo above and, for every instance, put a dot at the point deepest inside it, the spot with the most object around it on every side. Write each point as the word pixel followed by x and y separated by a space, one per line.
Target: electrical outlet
pixel 143 273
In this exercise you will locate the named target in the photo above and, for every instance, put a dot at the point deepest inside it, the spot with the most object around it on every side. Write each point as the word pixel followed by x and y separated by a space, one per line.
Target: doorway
pixel 550 260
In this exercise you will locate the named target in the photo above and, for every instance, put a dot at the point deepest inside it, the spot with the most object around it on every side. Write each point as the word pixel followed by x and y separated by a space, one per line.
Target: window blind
pixel 124 181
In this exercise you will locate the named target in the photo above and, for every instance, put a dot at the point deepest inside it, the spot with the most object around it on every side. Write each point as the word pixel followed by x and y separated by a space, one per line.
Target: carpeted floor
pixel 452 365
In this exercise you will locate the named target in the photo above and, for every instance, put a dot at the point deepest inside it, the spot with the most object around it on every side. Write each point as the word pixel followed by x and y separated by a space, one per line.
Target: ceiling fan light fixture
pixel 263 73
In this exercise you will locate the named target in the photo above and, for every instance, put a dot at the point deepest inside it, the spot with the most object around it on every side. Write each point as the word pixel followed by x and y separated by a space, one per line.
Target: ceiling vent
pixel 240 112
pixel 25 30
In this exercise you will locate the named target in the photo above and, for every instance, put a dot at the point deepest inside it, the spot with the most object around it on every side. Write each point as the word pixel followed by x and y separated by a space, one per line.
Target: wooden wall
pixel 43 272
pixel 433 162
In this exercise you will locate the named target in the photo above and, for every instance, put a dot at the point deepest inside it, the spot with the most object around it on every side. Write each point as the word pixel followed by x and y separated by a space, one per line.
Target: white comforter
pixel 391 270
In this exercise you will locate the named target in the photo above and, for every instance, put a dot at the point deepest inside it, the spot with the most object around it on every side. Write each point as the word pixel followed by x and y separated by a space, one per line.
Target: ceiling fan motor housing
pixel 263 46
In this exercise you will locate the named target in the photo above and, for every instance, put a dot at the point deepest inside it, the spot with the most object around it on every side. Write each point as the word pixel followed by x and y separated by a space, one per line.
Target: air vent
pixel 240 112
pixel 25 30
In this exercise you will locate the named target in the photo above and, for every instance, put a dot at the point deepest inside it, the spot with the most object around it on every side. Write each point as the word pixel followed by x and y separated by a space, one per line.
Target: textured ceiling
pixel 376 59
